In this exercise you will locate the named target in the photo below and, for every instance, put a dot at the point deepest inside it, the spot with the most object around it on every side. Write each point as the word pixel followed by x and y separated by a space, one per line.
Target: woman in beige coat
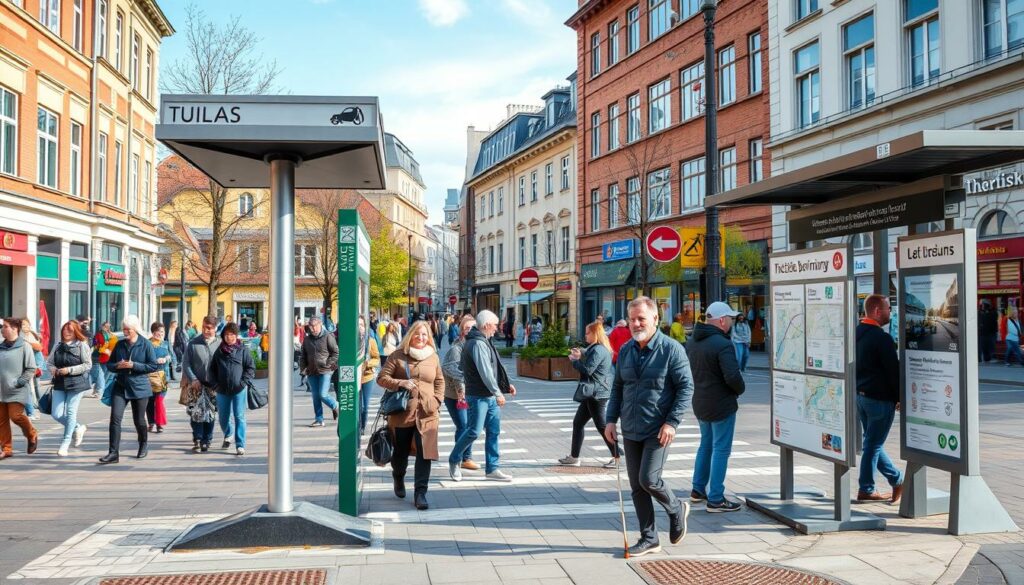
pixel 415 367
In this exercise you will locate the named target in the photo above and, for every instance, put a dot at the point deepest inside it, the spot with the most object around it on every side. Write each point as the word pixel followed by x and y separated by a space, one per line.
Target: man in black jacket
pixel 878 398
pixel 988 332
pixel 717 383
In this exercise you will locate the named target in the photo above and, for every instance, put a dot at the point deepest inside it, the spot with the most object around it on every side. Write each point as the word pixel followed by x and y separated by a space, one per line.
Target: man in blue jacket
pixel 650 394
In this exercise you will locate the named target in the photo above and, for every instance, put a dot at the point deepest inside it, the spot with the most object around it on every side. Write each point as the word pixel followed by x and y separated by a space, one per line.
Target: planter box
pixel 261 374
pixel 557 369
pixel 561 369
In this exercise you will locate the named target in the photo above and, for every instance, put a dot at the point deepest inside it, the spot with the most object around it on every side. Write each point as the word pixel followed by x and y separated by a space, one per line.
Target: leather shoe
pixel 143 451
pixel 470 465
pixel 420 500
pixel 872 497
pixel 897 492
pixel 33 445
pixel 5 455
pixel 399 487
pixel 109 458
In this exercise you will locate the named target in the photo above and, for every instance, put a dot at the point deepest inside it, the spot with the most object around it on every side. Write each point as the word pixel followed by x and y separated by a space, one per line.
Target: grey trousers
pixel 644 462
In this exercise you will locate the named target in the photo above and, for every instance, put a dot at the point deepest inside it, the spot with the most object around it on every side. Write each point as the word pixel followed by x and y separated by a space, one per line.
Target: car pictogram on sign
pixel 353 114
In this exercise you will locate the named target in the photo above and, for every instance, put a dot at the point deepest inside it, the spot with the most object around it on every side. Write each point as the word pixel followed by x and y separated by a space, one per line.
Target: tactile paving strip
pixel 293 577
pixel 695 572
pixel 581 470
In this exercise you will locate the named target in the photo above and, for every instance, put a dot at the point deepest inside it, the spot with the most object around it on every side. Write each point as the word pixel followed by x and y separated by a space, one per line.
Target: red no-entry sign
pixel 663 244
pixel 529 279
pixel 453 299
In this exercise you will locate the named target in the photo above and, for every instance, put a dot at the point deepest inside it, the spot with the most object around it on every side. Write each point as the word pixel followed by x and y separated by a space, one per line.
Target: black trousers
pixel 400 458
pixel 644 462
pixel 118 404
pixel 590 409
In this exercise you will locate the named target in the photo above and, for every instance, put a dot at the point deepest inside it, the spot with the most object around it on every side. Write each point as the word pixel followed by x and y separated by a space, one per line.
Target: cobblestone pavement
pixel 69 519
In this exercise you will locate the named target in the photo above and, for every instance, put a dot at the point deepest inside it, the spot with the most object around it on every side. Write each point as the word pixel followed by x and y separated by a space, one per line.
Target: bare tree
pixel 318 227
pixel 554 261
pixel 221 59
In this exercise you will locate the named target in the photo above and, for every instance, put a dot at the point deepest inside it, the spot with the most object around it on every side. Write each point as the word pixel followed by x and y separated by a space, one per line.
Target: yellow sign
pixel 692 255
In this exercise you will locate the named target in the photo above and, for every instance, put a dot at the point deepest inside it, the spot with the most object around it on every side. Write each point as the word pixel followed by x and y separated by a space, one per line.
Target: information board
pixel 812 315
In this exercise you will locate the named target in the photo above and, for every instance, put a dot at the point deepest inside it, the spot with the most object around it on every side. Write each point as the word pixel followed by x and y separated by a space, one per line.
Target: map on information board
pixel 809 412
pixel 788 323
pixel 826 336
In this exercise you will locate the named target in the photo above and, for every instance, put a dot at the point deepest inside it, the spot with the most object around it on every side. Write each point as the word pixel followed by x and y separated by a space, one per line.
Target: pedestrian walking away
pixel 318 360
pixel 415 367
pixel 131 363
pixel 486 384
pixel 678 330
pixel 717 384
pixel 650 393
pixel 455 390
pixel 988 331
pixel 156 411
pixel 619 336
pixel 196 381
pixel 595 387
pixel 102 346
pixel 878 397
pixel 741 336
pixel 370 356
pixel 1013 337
pixel 231 370
pixel 69 364
pixel 17 368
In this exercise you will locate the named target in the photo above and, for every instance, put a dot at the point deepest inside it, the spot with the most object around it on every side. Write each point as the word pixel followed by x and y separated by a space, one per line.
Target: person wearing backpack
pixel 69 364
pixel 231 369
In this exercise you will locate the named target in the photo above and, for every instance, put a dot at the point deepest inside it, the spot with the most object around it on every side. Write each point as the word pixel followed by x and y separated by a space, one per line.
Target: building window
pixel 118 162
pixel 101 168
pixel 595 134
pixel 922 26
pixel 756 160
pixel 613 43
pixel 632 30
pixel 305 260
pixel 754 62
pixel 522 191
pixel 549 178
pixel 111 253
pixel 47 150
pixel 118 41
pixel 1004 26
pixel 533 186
pixel 694 186
pixel 149 74
pixel 595 210
pixel 658 15
pixel 633 118
pixel 133 74
pixel 659 194
pixel 808 84
pixel 549 248
pixel 659 106
pixel 859 53
pixel 8 132
pixel 522 252
pixel 501 257
pixel 49 15
pixel 565 173
pixel 613 127
pixel 147 199
pixel 245 205
pixel 533 249
pixel 501 200
pixel 490 259
pixel 688 8
pixel 595 54
pixel 565 244
pixel 727 76
pixel 483 207
pixel 691 90
pixel 490 204
pixel 101 32
pixel 76 33
pixel 76 159
pixel 996 223
pixel 248 258
pixel 133 185
pixel 805 8
pixel 633 200
pixel 613 205
pixel 727 164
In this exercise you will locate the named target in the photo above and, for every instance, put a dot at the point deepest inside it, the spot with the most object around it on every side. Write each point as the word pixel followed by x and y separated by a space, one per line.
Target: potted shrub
pixel 548 358
pixel 261 366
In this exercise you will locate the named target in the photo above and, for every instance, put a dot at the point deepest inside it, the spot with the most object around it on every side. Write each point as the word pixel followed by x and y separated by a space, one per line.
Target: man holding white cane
pixel 651 391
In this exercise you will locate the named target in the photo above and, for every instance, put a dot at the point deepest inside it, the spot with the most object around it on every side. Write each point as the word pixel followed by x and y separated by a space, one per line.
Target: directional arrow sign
pixel 663 244
pixel 529 279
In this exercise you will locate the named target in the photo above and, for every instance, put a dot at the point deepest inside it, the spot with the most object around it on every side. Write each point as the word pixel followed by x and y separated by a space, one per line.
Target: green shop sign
pixel 110 277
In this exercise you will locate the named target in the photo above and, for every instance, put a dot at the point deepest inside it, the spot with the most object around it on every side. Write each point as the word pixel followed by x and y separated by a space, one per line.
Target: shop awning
pixel 607 273
pixel 533 297
pixel 917 156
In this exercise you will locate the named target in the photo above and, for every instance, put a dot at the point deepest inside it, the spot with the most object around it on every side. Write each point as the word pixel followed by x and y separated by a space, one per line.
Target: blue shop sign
pixel 619 250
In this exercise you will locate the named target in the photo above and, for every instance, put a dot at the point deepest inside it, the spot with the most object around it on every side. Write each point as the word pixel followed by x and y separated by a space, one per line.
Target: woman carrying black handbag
pixel 69 364
pixel 595 367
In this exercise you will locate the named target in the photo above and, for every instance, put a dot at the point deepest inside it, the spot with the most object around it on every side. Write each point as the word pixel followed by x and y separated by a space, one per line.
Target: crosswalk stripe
pixel 685 444
pixel 569 429
pixel 452 443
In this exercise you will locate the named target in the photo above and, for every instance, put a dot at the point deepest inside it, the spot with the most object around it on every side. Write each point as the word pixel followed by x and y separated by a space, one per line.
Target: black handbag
pixel 256 397
pixel 395 401
pixel 46 403
pixel 379 448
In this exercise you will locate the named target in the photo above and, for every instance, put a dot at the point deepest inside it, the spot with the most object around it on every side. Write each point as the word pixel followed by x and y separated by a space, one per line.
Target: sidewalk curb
pixel 1019 384
pixel 958 565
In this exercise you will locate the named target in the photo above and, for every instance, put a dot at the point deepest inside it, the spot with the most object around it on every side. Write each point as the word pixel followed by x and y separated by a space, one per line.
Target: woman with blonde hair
pixel 1013 337
pixel 414 366
pixel 595 388
pixel 69 364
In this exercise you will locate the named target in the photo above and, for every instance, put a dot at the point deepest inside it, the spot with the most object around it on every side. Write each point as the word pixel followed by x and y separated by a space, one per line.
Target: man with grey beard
pixel 651 392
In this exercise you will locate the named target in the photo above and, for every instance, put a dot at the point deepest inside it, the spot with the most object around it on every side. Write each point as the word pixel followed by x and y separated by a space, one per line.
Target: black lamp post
pixel 712 241
pixel 412 283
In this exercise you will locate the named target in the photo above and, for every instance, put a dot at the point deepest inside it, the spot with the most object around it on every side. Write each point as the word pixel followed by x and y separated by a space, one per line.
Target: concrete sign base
pixel 974 509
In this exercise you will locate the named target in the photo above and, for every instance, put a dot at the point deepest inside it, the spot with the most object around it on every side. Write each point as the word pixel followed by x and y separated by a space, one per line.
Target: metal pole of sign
pixel 529 316
pixel 712 240
pixel 282 298
pixel 181 290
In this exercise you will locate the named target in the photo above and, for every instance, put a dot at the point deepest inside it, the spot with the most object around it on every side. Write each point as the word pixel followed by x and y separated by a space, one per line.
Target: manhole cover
pixel 581 470
pixel 301 577
pixel 693 572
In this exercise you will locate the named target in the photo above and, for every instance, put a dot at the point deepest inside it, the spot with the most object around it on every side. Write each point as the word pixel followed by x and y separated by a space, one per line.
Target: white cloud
pixel 535 12
pixel 443 12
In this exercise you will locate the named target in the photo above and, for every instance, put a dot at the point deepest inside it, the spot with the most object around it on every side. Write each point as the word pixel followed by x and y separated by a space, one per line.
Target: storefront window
pixel 5 290
pixel 133 286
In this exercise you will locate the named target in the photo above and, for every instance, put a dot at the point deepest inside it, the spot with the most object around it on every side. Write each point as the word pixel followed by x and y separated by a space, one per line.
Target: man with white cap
pixel 717 383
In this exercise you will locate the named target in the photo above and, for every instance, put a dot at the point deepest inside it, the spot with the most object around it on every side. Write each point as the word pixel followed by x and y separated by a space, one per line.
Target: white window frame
pixel 804 8
pixel 691 91
pixel 483 207
pixel 633 29
pixel 102 12
pixel 76 26
pixel 245 210
pixel 595 54
pixel 613 205
pixel 633 128
pixel 694 183
pixel 147 198
pixel 633 203
pixel 565 173
pixel 75 165
pixel 595 135
pixel 549 179
pixel 549 248
pixel 119 41
pixel 613 42
pixel 501 200
pixel 595 210
pixel 522 252
pixel 533 186
pixel 133 73
pixel 811 76
pixel 118 170
pixel 533 249
pixel 565 244
pixel 133 185
pixel 49 15
pixel 727 169
pixel 248 258
pixel 756 154
pixel 522 190
pixel 659 97
pixel 658 18
pixel 1002 27
pixel 726 75
pixel 101 167
pixel 8 132
pixel 659 193
pixel 613 127
pixel 755 80
pixel 149 74
pixel 688 8
pixel 864 52
pixel 501 257
pixel 490 204
pixel 48 149
pixel 922 24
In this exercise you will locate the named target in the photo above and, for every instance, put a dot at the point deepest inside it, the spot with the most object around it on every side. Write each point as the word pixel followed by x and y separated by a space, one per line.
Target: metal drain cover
pixel 695 572
pixel 581 470
pixel 293 577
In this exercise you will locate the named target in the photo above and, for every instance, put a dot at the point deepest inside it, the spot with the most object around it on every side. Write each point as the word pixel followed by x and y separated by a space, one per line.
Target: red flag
pixel 44 328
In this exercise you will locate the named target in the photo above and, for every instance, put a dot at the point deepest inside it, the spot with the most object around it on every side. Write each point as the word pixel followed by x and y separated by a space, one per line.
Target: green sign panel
pixel 353 301
pixel 110 278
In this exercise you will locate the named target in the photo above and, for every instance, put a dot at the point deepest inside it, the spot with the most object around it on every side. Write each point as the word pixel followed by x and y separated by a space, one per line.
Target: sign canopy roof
pixel 338 141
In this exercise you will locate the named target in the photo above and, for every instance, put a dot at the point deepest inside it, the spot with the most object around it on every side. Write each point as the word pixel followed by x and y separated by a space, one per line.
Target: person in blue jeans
pixel 741 340
pixel 455 389
pixel 1013 337
pixel 878 397
pixel 371 365
pixel 317 360
pixel 231 368
pixel 486 384
pixel 195 372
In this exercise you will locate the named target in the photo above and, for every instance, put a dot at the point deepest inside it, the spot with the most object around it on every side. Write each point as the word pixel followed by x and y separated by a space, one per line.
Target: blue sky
pixel 438 66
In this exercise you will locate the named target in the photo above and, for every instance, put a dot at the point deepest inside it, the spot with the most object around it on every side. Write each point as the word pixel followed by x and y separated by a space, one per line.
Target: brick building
pixel 641 143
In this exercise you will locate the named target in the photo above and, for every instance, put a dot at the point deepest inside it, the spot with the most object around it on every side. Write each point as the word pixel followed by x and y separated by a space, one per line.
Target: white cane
pixel 622 507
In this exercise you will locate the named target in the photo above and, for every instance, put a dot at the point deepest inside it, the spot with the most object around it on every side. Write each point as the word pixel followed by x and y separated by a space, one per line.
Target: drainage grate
pixel 300 577
pixel 694 572
pixel 581 470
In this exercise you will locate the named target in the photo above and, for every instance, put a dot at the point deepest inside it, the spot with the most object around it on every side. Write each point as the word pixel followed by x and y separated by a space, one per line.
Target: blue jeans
pixel 233 405
pixel 876 418
pixel 98 377
pixel 65 411
pixel 1013 349
pixel 713 457
pixel 461 420
pixel 742 354
pixel 202 432
pixel 483 415
pixel 364 404
pixel 320 385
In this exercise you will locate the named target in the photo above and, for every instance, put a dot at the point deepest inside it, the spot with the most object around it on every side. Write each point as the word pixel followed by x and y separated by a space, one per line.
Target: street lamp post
pixel 411 281
pixel 712 240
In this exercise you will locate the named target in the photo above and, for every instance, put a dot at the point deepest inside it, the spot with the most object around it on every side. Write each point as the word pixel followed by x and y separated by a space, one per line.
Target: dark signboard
pixel 891 213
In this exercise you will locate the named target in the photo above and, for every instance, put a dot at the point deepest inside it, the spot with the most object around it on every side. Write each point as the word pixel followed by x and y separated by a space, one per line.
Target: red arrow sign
pixel 529 279
pixel 663 244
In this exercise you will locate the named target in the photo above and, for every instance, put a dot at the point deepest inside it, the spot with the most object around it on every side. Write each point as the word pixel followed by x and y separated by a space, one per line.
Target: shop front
pixel 109 287
pixel 487 296
pixel 1000 267
pixel 14 260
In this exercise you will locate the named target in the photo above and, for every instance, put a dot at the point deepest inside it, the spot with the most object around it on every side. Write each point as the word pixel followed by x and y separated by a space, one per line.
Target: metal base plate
pixel 306 525
pixel 811 515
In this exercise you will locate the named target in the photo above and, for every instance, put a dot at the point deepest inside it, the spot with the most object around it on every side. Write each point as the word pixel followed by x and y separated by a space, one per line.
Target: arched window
pixel 996 223
pixel 245 204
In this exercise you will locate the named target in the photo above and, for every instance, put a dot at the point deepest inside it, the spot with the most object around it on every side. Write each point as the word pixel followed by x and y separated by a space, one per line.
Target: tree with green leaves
pixel 389 271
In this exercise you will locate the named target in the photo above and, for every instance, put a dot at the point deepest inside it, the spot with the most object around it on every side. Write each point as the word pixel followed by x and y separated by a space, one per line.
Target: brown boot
pixel 470 465
pixel 872 497
pixel 896 493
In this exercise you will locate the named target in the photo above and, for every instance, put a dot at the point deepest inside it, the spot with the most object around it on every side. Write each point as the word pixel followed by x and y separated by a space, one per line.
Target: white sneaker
pixel 62 452
pixel 499 475
pixel 78 435
pixel 35 416
pixel 610 464
pixel 570 461
pixel 240 451
pixel 455 471
pixel 316 424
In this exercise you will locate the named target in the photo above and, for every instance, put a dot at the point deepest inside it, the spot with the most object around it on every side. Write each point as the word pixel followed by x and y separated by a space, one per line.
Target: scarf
pixel 421 354
pixel 228 349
